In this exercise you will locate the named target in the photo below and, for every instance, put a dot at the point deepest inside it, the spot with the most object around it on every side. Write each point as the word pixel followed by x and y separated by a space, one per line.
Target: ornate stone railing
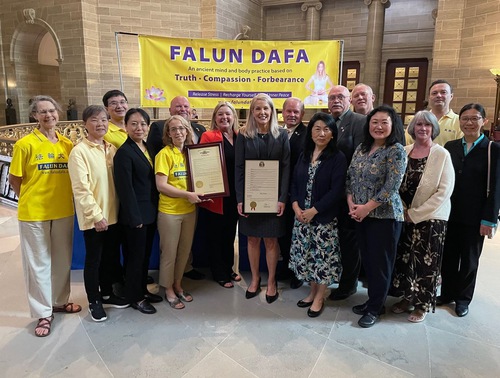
pixel 73 130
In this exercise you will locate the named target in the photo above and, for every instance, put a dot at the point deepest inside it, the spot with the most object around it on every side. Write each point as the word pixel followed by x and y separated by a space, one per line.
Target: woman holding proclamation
pixel 221 214
pixel 39 176
pixel 262 139
pixel 176 210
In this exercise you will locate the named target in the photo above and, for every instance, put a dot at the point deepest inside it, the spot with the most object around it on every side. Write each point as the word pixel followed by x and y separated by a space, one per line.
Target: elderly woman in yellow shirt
pixel 91 171
pixel 39 176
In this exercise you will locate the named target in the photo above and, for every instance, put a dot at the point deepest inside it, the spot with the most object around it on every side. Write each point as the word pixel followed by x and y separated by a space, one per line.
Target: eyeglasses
pixel 114 104
pixel 45 112
pixel 472 119
pixel 336 97
pixel 174 130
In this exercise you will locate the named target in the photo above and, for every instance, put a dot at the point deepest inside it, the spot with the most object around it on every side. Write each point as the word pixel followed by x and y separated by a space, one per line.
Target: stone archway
pixel 35 56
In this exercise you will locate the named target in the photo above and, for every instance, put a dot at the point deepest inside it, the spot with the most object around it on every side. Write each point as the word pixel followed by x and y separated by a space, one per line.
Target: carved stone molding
pixel 434 15
pixel 385 3
pixel 311 4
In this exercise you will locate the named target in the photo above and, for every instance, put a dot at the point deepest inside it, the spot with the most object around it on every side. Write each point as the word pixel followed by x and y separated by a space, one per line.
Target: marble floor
pixel 221 334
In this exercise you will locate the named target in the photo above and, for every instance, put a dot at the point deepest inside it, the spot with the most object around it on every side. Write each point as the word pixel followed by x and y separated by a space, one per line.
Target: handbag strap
pixel 489 164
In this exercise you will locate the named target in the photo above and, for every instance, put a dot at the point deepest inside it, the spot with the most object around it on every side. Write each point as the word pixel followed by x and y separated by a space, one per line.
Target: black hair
pixel 112 93
pixel 474 106
pixel 368 140
pixel 309 145
pixel 142 112
pixel 440 81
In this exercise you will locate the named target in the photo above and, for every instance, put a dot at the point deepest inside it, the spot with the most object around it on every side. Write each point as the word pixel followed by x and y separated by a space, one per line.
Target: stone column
pixel 374 41
pixel 312 9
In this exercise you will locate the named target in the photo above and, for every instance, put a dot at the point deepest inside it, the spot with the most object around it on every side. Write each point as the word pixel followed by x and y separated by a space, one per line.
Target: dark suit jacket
pixel 328 190
pixel 469 203
pixel 297 141
pixel 277 149
pixel 135 185
pixel 350 133
pixel 155 135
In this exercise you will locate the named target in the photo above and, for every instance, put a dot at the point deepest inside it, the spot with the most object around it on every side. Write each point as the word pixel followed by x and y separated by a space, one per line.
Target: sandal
pixel 68 308
pixel 402 306
pixel 226 284
pixel 418 315
pixel 235 277
pixel 175 303
pixel 185 296
pixel 44 324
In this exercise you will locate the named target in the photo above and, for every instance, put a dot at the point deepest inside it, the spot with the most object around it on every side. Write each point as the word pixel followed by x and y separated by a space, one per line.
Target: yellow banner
pixel 208 71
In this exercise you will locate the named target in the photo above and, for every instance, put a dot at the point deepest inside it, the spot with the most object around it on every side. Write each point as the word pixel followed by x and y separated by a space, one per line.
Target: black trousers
pixel 378 243
pixel 137 246
pixel 462 248
pixel 100 249
pixel 349 252
pixel 285 242
pixel 221 231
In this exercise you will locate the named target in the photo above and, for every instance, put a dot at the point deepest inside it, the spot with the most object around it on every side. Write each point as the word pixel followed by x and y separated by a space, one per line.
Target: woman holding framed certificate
pixel 176 210
pixel 262 174
pixel 221 213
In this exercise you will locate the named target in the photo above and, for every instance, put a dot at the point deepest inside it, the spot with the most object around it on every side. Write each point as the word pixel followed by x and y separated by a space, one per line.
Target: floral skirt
pixel 315 252
pixel 418 263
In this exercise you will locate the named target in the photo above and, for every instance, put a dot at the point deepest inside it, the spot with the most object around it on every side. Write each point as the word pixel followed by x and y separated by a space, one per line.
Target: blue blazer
pixel 328 190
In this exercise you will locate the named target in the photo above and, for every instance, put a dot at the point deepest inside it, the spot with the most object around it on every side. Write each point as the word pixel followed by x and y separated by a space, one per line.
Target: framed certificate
pixel 261 186
pixel 206 167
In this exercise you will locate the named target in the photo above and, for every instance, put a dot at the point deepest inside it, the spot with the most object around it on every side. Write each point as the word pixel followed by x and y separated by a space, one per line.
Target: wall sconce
pixel 495 123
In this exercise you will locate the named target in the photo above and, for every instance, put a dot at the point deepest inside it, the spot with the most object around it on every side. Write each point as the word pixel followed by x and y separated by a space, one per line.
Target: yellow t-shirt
pixel 45 192
pixel 115 135
pixel 172 163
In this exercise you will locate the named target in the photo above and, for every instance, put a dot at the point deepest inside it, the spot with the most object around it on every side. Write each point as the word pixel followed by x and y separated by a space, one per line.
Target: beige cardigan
pixel 432 198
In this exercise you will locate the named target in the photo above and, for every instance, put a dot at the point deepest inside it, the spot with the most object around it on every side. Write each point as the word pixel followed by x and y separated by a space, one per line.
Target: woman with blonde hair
pixel 262 139
pixel 176 209
pixel 221 214
pixel 321 86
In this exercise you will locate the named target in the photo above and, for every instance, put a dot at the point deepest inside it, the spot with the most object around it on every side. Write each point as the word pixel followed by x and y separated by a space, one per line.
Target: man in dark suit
pixel 350 135
pixel 178 106
pixel 293 112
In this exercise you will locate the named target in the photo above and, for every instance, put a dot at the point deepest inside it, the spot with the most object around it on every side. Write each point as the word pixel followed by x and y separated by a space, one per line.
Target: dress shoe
pixel 303 304
pixel 339 294
pixel 194 275
pixel 315 314
pixel 441 301
pixel 361 309
pixel 295 283
pixel 153 298
pixel 368 320
pixel 461 310
pixel 272 298
pixel 251 294
pixel 143 306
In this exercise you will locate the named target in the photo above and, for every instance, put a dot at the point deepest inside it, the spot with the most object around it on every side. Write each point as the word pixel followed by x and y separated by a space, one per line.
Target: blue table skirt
pixel 200 251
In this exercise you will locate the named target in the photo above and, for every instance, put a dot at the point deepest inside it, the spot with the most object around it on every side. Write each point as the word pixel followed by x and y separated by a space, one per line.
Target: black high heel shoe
pixel 251 294
pixel 271 298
